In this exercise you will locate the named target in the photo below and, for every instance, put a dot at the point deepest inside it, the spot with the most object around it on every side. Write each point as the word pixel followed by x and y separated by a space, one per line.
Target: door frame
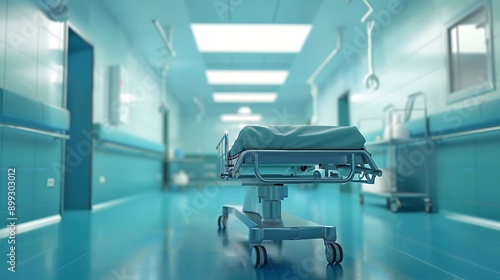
pixel 67 28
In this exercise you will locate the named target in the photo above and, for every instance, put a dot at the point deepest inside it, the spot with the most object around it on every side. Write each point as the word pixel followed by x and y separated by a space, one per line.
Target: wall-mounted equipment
pixel 119 98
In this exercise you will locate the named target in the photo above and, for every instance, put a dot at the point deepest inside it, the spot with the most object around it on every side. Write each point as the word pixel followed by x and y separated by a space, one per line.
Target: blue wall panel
pixel 22 32
pixel 487 167
pixel 24 47
pixel 3 195
pixel 125 173
pixel 50 85
pixel 21 74
pixel 18 151
pixel 2 64
pixel 47 200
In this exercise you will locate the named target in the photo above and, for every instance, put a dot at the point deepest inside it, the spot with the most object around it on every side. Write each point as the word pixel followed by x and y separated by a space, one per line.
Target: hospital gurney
pixel 267 158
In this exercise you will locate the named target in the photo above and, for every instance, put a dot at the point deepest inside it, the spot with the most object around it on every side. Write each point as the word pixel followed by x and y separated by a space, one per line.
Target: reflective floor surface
pixel 174 235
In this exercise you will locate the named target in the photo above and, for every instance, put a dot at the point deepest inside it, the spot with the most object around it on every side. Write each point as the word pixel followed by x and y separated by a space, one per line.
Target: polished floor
pixel 174 235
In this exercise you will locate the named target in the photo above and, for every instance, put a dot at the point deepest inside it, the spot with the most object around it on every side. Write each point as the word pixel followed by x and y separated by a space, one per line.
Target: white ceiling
pixel 187 71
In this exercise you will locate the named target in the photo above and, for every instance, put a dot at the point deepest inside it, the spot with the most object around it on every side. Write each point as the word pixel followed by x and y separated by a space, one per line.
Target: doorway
pixel 78 150
pixel 343 110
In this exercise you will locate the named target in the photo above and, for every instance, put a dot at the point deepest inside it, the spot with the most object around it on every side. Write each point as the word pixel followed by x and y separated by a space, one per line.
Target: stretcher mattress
pixel 297 137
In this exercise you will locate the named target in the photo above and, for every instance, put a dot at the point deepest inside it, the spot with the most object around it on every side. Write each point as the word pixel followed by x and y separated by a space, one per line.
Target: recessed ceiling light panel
pixel 246 77
pixel 250 38
pixel 244 97
pixel 241 118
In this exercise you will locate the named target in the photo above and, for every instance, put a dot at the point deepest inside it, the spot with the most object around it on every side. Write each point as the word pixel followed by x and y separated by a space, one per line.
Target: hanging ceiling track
pixel 327 60
pixel 312 80
pixel 167 38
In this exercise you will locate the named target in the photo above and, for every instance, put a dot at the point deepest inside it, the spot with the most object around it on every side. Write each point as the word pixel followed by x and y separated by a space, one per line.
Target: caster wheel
pixel 316 174
pixel 259 256
pixel 334 253
pixel 361 199
pixel 428 207
pixel 388 203
pixel 222 221
pixel 395 205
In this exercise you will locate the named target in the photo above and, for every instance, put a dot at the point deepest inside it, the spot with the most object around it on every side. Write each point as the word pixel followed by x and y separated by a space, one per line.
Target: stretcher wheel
pixel 316 174
pixel 334 253
pixel 259 256
pixel 395 205
pixel 222 221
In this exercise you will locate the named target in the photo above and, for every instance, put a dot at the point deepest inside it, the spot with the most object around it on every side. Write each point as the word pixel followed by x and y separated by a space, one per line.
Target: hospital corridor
pixel 249 139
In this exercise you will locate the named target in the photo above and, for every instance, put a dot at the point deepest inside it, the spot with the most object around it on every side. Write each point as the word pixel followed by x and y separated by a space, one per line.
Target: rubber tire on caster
pixel 222 221
pixel 334 253
pixel 259 256
pixel 395 205
pixel 316 174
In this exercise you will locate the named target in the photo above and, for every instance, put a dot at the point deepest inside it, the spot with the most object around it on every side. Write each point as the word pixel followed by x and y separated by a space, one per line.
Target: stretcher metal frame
pixel 258 169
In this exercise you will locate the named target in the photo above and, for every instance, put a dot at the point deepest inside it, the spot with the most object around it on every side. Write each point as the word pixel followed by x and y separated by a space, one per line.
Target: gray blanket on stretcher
pixel 297 137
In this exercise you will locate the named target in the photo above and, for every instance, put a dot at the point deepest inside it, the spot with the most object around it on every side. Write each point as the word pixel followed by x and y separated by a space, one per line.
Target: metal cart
pixel 391 190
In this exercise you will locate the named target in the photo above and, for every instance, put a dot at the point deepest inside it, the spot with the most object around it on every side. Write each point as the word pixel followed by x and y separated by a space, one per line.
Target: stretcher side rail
pixel 299 181
pixel 223 155
pixel 359 163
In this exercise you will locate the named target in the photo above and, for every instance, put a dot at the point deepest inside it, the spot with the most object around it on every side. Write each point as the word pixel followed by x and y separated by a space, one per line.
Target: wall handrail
pixel 129 148
pixel 37 131
pixel 465 133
